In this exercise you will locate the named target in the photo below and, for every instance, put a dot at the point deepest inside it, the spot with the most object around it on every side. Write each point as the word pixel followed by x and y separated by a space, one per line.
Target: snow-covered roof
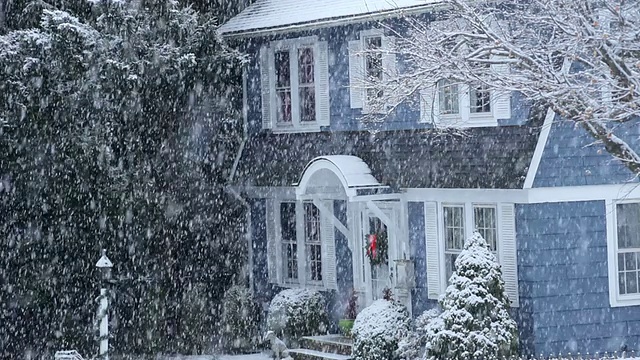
pixel 356 172
pixel 272 15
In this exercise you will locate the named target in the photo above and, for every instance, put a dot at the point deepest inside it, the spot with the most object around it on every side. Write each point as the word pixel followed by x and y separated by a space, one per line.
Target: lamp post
pixel 104 265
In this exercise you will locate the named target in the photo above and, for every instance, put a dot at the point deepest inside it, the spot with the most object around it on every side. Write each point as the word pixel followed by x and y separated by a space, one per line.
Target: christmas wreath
pixel 377 247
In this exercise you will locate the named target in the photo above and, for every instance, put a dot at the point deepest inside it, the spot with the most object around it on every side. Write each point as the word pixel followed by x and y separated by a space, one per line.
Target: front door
pixel 379 276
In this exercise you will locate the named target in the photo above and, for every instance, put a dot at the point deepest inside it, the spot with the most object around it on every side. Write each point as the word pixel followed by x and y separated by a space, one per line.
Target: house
pixel 320 178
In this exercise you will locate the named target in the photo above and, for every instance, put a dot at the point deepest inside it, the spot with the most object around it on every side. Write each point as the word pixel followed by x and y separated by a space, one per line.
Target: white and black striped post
pixel 104 265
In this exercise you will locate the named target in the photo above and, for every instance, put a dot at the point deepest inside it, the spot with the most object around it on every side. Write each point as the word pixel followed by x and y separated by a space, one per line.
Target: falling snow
pixel 183 176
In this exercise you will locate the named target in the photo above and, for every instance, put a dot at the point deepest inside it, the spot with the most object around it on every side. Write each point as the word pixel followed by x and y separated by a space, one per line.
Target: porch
pixel 359 219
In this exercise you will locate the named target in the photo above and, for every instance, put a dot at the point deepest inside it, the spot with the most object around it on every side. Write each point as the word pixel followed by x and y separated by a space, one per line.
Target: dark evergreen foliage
pixel 117 131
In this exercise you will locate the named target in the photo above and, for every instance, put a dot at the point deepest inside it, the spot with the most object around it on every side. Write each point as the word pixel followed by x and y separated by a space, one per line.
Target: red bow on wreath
pixel 373 244
pixel 377 248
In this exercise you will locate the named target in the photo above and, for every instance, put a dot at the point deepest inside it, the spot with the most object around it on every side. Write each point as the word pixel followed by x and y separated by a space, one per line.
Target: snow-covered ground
pixel 261 356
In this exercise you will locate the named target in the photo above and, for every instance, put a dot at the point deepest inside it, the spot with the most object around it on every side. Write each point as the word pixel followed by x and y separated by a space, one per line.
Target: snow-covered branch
pixel 582 59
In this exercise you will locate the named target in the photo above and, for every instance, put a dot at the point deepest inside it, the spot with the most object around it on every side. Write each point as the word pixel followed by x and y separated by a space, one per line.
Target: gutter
pixel 231 190
pixel 332 21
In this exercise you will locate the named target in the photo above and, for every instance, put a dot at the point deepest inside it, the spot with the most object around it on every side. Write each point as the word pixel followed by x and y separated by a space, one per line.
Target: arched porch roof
pixel 338 176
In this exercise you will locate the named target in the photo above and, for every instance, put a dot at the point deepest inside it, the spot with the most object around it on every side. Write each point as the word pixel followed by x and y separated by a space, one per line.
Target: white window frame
pixel 321 85
pixel 469 228
pixel 364 34
pixel 615 298
pixel 281 244
pixel 464 117
pixel 302 257
pixel 307 259
pixel 292 46
pixel 357 67
pixel 500 102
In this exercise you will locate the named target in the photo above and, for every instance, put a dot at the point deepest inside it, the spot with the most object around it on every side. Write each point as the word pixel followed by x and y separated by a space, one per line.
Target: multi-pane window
pixel 480 99
pixel 484 221
pixel 628 216
pixel 313 242
pixel 484 218
pixel 293 79
pixel 289 240
pixel 373 66
pixel 448 95
pixel 306 85
pixel 453 235
pixel 283 86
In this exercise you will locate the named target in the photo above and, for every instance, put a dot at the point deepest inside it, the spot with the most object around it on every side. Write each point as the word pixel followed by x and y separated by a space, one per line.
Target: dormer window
pixel 480 100
pixel 372 60
pixel 295 85
pixel 448 96
pixel 453 104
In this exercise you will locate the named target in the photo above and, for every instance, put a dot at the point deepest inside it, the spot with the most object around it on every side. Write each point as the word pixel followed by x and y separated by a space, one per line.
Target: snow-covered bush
pixel 475 322
pixel 378 330
pixel 412 343
pixel 240 320
pixel 297 312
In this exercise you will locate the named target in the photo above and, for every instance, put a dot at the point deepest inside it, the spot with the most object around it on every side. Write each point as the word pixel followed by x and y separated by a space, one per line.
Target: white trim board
pixel 517 196
pixel 540 146
pixel 527 196
pixel 464 195
pixel 260 192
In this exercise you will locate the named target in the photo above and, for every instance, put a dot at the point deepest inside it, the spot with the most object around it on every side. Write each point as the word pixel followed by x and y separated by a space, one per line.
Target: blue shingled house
pixel 562 217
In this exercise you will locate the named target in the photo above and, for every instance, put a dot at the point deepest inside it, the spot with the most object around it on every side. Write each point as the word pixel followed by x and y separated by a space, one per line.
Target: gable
pixel 273 15
pixel 571 158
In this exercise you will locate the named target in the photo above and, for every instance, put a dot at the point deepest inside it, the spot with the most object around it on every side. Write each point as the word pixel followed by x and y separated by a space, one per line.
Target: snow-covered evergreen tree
pixel 474 322
pixel 112 136
pixel 240 320
pixel 413 341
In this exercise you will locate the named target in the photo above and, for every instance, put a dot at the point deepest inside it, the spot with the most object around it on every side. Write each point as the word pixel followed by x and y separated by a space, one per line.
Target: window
pixel 283 87
pixel 313 242
pixel 455 234
pixel 448 225
pixel 486 224
pixel 373 66
pixel 372 61
pixel 289 241
pixel 306 85
pixel 301 248
pixel 295 85
pixel 480 99
pixel 628 248
pixel 448 94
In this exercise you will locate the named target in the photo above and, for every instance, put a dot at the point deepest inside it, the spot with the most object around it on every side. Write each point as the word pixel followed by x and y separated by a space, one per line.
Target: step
pixel 307 354
pixel 336 344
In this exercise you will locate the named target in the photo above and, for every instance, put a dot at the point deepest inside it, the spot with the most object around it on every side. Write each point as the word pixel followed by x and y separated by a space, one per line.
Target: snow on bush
pixel 378 330
pixel 294 313
pixel 240 320
pixel 412 343
pixel 475 322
